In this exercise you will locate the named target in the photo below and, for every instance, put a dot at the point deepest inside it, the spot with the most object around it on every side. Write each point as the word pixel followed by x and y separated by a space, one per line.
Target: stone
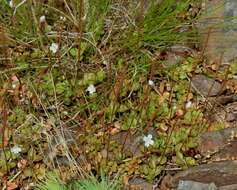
pixel 229 152
pixel 206 86
pixel 220 173
pixel 218 30
pixel 228 187
pixel 187 185
pixel 226 113
pixel 131 143
pixel 212 142
pixel 139 184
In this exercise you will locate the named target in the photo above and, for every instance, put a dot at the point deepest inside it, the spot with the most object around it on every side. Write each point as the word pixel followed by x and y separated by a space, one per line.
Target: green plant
pixel 164 24
pixel 53 182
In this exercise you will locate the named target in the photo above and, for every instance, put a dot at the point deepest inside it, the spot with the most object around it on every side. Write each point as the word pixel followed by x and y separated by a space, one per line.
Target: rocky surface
pixel 219 173
pixel 226 113
pixel 139 184
pixel 187 185
pixel 218 29
pixel 212 142
pixel 206 86
pixel 219 150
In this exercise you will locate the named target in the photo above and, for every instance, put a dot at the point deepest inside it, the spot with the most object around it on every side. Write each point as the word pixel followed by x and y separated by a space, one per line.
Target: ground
pixel 103 86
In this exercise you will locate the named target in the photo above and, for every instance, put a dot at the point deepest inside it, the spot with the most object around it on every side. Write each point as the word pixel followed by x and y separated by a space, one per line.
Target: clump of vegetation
pixel 76 75
pixel 53 182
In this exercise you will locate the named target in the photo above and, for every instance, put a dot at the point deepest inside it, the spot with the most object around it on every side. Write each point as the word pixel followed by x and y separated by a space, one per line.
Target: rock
pixel 130 142
pixel 224 99
pixel 173 59
pixel 229 152
pixel 219 173
pixel 133 143
pixel 167 183
pixel 211 142
pixel 206 86
pixel 228 187
pixel 226 113
pixel 139 184
pixel 187 185
pixel 218 30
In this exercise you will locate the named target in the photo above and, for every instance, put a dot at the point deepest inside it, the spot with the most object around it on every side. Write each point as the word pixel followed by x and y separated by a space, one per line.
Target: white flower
pixel 188 105
pixel 91 89
pixel 11 4
pixel 151 83
pixel 16 149
pixel 62 18
pixel 174 107
pixel 148 140
pixel 13 86
pixel 42 19
pixel 53 47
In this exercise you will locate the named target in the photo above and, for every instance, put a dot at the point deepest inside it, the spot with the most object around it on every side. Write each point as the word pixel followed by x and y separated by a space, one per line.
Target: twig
pixel 18 5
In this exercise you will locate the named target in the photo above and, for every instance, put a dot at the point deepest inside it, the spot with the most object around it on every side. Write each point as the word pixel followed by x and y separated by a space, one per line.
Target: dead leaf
pixel 11 185
pixel 22 163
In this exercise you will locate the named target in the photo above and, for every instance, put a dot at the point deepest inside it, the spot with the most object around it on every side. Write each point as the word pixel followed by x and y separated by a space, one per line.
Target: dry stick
pixel 190 83
pixel 14 177
pixel 3 107
pixel 144 102
pixel 36 23
pixel 4 129
pixel 172 127
pixel 80 29
pixel 147 90
pixel 73 18
pixel 203 122
pixel 146 99
pixel 117 89
pixel 142 10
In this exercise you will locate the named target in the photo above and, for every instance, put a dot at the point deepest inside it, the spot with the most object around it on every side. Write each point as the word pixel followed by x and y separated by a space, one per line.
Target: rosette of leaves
pixel 53 182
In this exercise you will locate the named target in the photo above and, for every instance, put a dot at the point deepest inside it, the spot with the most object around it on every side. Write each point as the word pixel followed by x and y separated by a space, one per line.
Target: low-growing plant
pixel 53 182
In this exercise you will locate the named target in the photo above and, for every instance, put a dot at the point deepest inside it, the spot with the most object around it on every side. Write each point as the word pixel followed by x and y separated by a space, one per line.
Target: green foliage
pixel 162 22
pixel 96 13
pixel 163 25
pixel 55 85
pixel 92 78
pixel 93 184
pixel 52 182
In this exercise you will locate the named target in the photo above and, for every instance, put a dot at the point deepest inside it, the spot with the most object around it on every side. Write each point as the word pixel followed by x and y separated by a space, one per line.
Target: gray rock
pixel 131 143
pixel 220 173
pixel 218 27
pixel 139 184
pixel 206 86
pixel 187 185
pixel 228 187
pixel 226 113
pixel 211 142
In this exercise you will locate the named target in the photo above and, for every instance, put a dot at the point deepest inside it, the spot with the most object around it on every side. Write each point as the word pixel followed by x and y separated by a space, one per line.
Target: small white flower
pixel 11 4
pixel 13 86
pixel 188 105
pixel 62 18
pixel 42 19
pixel 53 47
pixel 148 140
pixel 151 83
pixel 16 149
pixel 91 89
